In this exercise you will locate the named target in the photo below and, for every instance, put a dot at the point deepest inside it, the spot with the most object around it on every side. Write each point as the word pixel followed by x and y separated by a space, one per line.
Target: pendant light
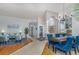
pixel 63 19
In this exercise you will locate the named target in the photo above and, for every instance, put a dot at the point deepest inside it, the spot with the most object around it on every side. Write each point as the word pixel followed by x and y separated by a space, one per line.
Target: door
pixel 33 30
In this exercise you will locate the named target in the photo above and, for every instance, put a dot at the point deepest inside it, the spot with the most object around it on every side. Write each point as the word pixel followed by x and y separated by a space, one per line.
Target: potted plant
pixel 69 32
pixel 26 32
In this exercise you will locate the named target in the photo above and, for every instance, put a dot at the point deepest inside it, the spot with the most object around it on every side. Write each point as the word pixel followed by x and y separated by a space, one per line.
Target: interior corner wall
pixel 75 26
pixel 40 23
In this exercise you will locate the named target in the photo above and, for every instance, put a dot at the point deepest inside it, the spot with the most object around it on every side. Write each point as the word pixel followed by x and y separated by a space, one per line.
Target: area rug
pixel 8 49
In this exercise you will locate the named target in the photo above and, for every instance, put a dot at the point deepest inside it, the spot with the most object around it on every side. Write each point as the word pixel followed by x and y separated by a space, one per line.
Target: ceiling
pixel 30 10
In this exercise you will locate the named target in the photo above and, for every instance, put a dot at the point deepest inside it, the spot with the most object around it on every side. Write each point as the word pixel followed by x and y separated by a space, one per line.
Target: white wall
pixel 5 21
pixel 40 23
pixel 75 26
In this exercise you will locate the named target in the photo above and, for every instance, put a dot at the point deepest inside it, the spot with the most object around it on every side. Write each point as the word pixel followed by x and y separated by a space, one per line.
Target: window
pixel 62 25
pixel 50 22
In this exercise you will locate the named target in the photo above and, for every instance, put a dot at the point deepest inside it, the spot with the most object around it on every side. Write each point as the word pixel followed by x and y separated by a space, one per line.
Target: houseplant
pixel 26 32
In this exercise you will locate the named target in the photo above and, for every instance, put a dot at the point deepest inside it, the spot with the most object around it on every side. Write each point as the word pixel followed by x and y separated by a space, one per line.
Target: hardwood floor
pixel 8 49
pixel 46 51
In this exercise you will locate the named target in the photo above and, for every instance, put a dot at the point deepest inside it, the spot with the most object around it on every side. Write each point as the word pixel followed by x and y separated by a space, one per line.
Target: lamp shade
pixel 3 31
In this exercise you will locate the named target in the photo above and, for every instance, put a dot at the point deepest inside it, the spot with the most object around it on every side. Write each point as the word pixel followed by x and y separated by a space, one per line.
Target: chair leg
pixel 75 50
pixel 65 53
pixel 53 48
pixel 70 52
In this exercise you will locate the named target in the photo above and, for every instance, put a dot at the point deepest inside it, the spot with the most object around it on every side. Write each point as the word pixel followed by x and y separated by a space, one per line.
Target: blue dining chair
pixel 65 47
pixel 64 34
pixel 76 44
pixel 50 37
pixel 2 39
pixel 57 35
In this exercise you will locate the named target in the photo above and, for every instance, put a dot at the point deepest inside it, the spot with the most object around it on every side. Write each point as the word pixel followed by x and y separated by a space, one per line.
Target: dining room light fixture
pixel 3 31
pixel 20 31
pixel 63 18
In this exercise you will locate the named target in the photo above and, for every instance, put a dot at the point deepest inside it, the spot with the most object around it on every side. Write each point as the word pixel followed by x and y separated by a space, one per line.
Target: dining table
pixel 59 39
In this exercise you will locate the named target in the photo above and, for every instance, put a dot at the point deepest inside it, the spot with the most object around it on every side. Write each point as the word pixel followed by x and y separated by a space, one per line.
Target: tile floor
pixel 34 48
